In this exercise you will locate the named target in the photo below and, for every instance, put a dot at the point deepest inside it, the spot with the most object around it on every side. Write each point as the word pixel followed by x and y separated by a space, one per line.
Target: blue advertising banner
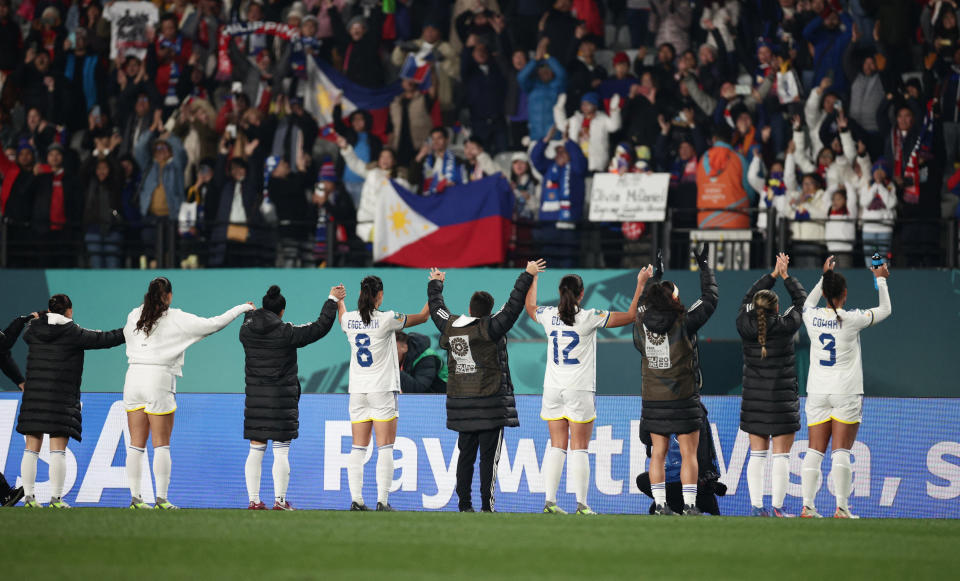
pixel 906 461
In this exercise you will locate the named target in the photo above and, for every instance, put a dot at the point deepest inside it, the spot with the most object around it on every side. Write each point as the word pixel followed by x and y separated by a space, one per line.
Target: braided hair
pixel 367 302
pixel 834 285
pixel 764 302
pixel 154 304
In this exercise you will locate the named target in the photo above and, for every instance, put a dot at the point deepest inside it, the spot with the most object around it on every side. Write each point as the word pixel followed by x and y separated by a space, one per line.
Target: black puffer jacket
pixel 51 396
pixel 473 413
pixel 671 396
pixel 7 338
pixel 272 409
pixel 421 367
pixel 769 406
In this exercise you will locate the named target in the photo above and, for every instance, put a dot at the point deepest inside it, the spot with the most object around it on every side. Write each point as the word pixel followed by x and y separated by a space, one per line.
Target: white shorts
pixel 150 388
pixel 381 406
pixel 823 407
pixel 576 405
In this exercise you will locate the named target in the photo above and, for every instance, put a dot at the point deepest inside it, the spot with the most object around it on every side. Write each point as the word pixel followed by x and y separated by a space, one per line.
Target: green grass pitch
pixel 237 544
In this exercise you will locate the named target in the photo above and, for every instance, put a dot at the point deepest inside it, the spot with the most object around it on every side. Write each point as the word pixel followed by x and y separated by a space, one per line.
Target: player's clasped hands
pixel 339 292
pixel 437 274
pixel 535 267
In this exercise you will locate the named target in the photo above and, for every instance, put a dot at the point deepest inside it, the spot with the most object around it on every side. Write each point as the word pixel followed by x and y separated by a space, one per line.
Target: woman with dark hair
pixel 273 389
pixel 374 384
pixel 570 381
pixel 835 382
pixel 157 337
pixel 51 392
pixel 666 336
pixel 770 406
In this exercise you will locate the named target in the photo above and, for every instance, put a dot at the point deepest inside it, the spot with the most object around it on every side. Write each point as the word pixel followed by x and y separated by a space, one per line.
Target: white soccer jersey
pixel 373 351
pixel 835 362
pixel 571 350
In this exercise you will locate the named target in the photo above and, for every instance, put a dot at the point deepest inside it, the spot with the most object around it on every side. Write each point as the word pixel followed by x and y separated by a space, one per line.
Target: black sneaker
pixel 14 497
pixel 691 510
pixel 488 510
pixel 663 510
pixel 385 507
pixel 358 506
pixel 467 509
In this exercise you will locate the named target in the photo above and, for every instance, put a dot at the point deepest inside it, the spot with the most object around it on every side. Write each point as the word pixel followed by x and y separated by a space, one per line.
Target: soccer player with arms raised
pixel 835 382
pixel 374 385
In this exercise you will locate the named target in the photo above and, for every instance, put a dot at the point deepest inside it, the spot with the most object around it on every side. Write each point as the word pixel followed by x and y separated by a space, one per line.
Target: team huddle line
pixel 480 396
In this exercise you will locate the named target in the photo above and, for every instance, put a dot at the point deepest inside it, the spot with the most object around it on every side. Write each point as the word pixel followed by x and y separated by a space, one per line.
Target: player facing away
pixel 570 381
pixel 835 382
pixel 157 337
pixel 51 392
pixel 480 401
pixel 770 406
pixel 666 336
pixel 272 406
pixel 374 385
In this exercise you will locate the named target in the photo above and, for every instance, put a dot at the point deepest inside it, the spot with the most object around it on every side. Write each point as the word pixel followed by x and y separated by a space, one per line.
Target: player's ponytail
pixel 834 284
pixel 764 303
pixel 367 302
pixel 660 298
pixel 154 304
pixel 571 286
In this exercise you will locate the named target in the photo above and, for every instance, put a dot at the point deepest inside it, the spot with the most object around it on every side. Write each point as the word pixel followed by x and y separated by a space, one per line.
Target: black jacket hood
pixel 262 321
pixel 45 332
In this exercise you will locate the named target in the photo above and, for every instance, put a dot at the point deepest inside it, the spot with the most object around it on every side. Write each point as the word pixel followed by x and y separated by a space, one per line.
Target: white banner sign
pixel 632 197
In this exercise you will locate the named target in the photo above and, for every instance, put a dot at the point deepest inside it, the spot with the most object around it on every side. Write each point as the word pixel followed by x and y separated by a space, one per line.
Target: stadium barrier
pixel 906 461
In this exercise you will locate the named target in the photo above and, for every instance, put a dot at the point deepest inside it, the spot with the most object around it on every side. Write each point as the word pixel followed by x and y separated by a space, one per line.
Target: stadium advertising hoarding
pixel 906 462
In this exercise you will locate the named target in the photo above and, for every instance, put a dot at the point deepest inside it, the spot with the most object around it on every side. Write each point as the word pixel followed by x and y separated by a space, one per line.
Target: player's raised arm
pixel 417 318
pixel 505 318
pixel 531 302
pixel 621 319
pixel 883 310
pixel 438 308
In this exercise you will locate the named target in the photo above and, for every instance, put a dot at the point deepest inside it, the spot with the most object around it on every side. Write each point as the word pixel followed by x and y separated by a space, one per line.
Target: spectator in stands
pixel 16 197
pixel 516 101
pixel 38 132
pixel 638 21
pixel 57 209
pixel 867 96
pixel 431 45
pixel 590 127
pixel 440 167
pixel 421 368
pixel 375 175
pixel 365 145
pixel 11 39
pixel 771 189
pixel 334 202
pixel 807 206
pixel 42 87
pixel 163 160
pixel 484 90
pixel 584 75
pixel 477 163
pixel 562 198
pixel 85 73
pixel 878 204
pixel 841 227
pixel 671 19
pixel 562 29
pixel 680 161
pixel 410 121
pixel 236 213
pixel 621 82
pixel 359 43
pixel 829 33
pixel 542 79
pixel 895 24
pixel 525 188
pixel 949 99
pixel 722 187
pixel 102 207
pixel 288 188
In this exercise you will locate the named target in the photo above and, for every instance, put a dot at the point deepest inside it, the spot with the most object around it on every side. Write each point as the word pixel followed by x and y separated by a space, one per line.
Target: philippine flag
pixel 324 83
pixel 467 225
pixel 416 67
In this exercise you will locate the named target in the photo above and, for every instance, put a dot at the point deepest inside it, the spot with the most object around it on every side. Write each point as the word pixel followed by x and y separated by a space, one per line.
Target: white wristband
pixel 333 298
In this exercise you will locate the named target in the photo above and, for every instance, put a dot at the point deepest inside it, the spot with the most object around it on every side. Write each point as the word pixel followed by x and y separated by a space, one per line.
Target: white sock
pixel 659 493
pixel 841 474
pixel 355 473
pixel 134 460
pixel 161 470
pixel 780 474
pixel 552 470
pixel 384 472
pixel 58 471
pixel 690 494
pixel 28 472
pixel 281 470
pixel 580 474
pixel 810 477
pixel 252 470
pixel 755 470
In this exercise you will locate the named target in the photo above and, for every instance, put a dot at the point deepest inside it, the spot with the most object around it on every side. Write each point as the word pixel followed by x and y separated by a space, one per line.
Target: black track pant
pixel 4 488
pixel 488 442
pixel 706 501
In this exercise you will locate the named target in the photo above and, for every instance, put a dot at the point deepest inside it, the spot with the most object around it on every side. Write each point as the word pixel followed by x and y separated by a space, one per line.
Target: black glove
pixel 658 271
pixel 702 256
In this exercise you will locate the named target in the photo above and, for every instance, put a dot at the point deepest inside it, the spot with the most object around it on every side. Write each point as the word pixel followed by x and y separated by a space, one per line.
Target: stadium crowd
pixel 126 122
